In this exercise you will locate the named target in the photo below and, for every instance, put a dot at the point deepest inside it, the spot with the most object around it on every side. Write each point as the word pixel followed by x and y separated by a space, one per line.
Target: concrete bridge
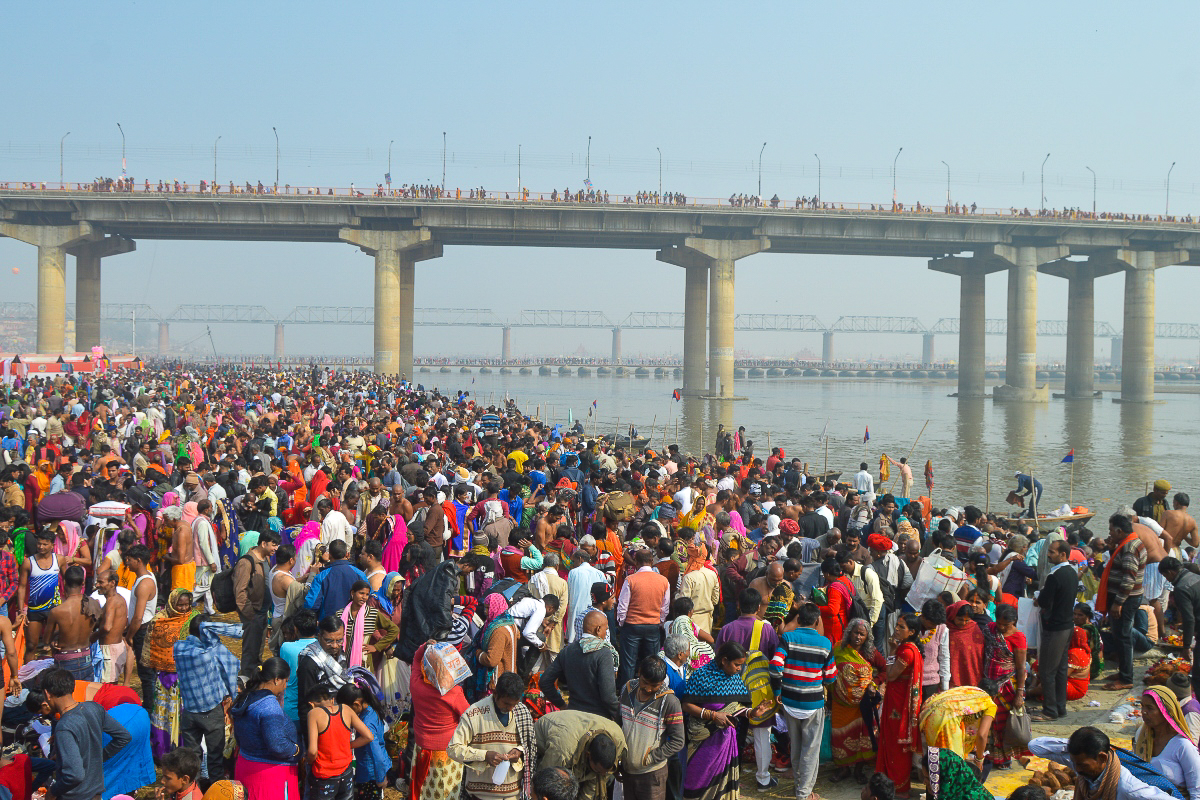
pixel 706 241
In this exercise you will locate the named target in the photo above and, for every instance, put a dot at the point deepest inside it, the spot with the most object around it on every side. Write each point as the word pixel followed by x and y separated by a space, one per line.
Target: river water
pixel 1119 448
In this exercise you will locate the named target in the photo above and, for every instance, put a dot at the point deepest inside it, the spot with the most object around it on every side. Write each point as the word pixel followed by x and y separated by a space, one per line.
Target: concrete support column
pixel 927 349
pixel 505 345
pixel 1021 368
pixel 1081 330
pixel 52 243
pixel 87 285
pixel 396 253
pixel 972 333
pixel 1137 351
pixel 713 259
pixel 164 338
pixel 279 340
pixel 827 347
pixel 1118 344
pixel 616 345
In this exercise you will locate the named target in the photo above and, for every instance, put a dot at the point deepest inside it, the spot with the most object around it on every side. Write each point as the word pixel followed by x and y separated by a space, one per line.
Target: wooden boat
pixel 638 443
pixel 826 476
pixel 1069 521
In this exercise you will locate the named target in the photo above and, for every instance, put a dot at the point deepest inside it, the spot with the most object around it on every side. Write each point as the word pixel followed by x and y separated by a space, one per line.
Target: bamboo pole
pixel 825 471
pixel 987 502
pixel 651 439
pixel 1071 497
pixel 677 431
pixel 910 454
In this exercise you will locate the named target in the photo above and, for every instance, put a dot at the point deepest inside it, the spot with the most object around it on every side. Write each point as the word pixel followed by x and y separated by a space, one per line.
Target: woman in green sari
pixel 952 778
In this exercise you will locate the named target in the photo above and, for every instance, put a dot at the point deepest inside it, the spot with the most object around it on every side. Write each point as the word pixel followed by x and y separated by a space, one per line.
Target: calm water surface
pixel 1119 448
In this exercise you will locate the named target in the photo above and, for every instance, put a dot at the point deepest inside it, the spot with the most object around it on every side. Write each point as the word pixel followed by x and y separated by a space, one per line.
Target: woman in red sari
pixel 898 734
pixel 1004 652
pixel 966 645
pixel 838 594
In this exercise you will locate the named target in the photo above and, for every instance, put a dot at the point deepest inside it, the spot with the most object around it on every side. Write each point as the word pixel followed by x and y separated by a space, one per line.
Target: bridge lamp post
pixel 1168 211
pixel 122 130
pixel 276 156
pixel 215 160
pixel 1089 169
pixel 589 161
pixel 389 172
pixel 947 186
pixel 818 158
pixel 61 145
pixel 659 149
pixel 894 160
pixel 520 186
pixel 1044 160
pixel 443 161
pixel 760 152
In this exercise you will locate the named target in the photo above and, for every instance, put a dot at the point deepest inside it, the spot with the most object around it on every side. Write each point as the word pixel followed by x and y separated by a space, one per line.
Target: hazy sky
pixel 988 89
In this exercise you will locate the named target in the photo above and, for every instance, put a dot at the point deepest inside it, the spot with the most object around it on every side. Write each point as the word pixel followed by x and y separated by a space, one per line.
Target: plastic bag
pixel 444 666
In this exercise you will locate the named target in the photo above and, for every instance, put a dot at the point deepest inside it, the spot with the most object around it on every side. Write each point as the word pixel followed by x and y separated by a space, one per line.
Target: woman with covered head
pixel 857 661
pixel 1164 741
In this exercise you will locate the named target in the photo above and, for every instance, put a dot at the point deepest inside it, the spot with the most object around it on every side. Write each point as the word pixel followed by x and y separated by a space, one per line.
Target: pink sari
pixel 395 544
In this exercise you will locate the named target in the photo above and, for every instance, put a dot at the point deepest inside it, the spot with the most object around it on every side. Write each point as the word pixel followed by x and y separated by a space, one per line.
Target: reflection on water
pixel 1117 447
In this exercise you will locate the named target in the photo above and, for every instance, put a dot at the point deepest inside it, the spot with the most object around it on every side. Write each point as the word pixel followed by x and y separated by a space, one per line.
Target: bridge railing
pixel 734 203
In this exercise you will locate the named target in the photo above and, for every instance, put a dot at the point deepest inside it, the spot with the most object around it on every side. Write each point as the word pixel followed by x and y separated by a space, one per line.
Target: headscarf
pixel 493 606
pixel 790 526
pixel 877 541
pixel 384 592
pixel 167 627
pixel 1168 705
pixel 710 684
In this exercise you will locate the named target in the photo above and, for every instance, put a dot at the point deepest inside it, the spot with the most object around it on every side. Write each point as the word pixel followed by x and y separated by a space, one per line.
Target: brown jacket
pixel 249 585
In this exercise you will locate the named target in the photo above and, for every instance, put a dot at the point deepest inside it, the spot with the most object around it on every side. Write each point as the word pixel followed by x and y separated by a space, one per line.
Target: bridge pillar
pixel 1137 351
pixel 616 345
pixel 164 337
pixel 1081 319
pixel 278 340
pixel 87 285
pixel 827 347
pixel 927 348
pixel 505 345
pixel 52 243
pixel 396 254
pixel 972 319
pixel 711 259
pixel 1118 344
pixel 1020 368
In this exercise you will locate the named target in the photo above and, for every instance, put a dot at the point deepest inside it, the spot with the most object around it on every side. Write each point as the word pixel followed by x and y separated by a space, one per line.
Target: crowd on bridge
pixel 250 583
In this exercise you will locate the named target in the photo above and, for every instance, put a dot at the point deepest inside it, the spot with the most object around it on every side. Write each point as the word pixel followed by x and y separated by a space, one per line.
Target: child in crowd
pixel 371 765
pixel 179 770
pixel 334 730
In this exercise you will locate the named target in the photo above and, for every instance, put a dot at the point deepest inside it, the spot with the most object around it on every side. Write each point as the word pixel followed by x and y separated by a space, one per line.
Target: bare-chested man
pixel 69 627
pixel 115 665
pixel 182 557
pixel 1178 525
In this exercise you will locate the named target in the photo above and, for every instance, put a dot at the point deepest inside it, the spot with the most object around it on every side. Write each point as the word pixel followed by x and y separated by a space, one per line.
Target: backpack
pixel 617 506
pixel 756 674
pixel 855 609
pixel 223 597
pixel 511 590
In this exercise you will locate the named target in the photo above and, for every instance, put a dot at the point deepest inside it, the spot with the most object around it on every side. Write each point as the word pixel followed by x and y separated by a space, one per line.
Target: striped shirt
pixel 804 659
pixel 1128 570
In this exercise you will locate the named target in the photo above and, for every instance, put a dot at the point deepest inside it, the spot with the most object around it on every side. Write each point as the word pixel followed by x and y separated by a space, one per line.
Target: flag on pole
pixel 676 395
pixel 866 434
pixel 825 430
pixel 929 475
pixel 1069 457
pixel 594 403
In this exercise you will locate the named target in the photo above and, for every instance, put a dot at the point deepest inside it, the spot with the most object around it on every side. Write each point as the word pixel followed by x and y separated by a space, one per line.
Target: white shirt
pixel 579 593
pixel 685 497
pixel 336 526
pixel 863 482
pixel 827 514
pixel 216 493
pixel 727 482
pixel 529 612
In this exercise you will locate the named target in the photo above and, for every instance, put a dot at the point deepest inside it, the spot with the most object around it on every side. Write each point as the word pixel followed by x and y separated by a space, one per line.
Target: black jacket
pixel 1057 599
pixel 589 677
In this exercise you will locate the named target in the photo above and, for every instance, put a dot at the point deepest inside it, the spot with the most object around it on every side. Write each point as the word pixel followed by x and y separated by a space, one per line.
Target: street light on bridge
pixel 276 157
pixel 818 158
pixel 122 130
pixel 388 177
pixel 760 152
pixel 215 160
pixel 659 149
pixel 61 144
pixel 1168 212
pixel 947 187
pixel 1044 160
pixel 1089 169
pixel 589 163
pixel 894 160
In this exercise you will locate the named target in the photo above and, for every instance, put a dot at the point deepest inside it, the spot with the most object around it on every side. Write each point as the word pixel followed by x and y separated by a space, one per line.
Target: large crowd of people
pixel 248 583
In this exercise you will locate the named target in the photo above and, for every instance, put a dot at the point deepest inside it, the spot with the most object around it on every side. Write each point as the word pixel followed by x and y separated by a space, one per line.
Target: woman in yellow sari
pixel 857 662
pixel 169 626
pixel 959 719
pixel 697 517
